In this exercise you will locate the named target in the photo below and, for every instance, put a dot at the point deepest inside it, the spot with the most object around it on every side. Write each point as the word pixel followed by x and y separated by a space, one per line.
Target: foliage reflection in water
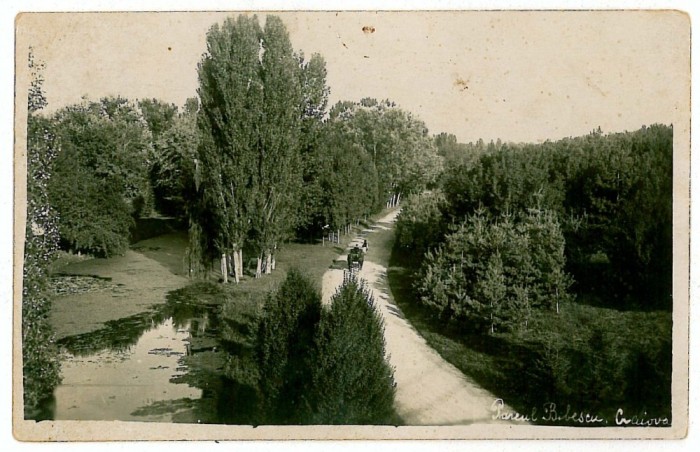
pixel 131 368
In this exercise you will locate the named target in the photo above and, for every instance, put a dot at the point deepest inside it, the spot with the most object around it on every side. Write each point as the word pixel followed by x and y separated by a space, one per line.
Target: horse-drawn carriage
pixel 356 258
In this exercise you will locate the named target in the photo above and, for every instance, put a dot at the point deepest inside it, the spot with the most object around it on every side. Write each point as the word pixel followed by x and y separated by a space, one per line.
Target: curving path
pixel 429 390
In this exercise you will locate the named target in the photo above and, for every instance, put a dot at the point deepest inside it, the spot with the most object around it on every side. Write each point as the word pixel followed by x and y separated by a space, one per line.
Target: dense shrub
pixel 284 348
pixel 352 383
pixel 491 273
pixel 597 360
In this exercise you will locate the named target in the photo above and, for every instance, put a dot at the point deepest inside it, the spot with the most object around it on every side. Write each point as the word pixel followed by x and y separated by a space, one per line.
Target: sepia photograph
pixel 351 225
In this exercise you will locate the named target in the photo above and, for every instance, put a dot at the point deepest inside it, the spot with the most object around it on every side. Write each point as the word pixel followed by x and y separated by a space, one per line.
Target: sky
pixel 517 76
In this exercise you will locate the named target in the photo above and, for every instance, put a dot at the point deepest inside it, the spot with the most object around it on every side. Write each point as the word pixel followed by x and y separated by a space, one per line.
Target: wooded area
pixel 541 249
pixel 554 258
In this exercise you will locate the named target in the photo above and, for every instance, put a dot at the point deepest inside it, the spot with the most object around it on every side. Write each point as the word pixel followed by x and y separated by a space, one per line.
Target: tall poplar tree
pixel 230 93
pixel 249 166
pixel 279 164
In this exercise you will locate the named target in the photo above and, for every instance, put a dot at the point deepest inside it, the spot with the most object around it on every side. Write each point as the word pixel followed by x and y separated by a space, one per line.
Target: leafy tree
pixel 279 174
pixel 158 115
pixel 100 176
pixel 310 207
pixel 347 178
pixel 40 366
pixel 174 164
pixel 420 225
pixel 453 153
pixel 398 143
pixel 159 118
pixel 625 192
pixel 36 98
pixel 231 93
pixel 352 383
pixel 284 348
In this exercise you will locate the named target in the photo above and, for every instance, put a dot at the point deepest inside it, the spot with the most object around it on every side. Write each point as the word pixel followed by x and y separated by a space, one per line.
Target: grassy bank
pixel 584 359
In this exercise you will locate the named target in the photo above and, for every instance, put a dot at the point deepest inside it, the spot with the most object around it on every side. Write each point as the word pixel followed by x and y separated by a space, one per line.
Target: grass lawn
pixel 588 358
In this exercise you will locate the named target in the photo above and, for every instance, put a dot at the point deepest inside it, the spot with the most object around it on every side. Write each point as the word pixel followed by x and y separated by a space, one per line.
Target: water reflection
pixel 164 365
pixel 115 384
pixel 130 368
pixel 120 335
pixel 117 335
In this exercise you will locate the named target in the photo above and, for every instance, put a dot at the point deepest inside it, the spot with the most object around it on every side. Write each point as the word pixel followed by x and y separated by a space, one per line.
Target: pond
pixel 138 368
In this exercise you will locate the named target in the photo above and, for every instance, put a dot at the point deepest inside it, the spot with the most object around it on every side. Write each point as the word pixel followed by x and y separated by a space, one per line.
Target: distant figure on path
pixel 365 246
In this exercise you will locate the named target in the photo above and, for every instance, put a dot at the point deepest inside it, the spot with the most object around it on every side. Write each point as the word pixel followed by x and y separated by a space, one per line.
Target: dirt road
pixel 429 390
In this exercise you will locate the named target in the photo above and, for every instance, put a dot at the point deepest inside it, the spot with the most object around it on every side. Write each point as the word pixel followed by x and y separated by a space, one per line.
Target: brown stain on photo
pixel 461 84
pixel 368 29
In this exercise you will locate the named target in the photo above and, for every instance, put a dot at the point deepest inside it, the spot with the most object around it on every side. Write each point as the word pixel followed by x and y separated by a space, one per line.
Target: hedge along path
pixel 429 390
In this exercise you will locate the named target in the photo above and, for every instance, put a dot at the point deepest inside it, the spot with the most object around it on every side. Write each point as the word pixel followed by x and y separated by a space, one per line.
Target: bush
pixel 599 360
pixel 352 381
pixel 285 346
pixel 490 274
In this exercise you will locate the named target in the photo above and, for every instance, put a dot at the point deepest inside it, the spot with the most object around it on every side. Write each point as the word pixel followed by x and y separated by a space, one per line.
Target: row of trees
pixel 314 364
pixel 269 165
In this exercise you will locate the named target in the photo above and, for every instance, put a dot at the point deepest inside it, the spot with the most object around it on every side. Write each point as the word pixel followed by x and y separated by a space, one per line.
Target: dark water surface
pixel 136 368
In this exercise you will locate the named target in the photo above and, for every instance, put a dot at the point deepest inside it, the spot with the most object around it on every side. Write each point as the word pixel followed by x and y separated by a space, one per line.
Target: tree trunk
pixel 398 199
pixel 258 269
pixel 236 273
pixel 274 262
pixel 224 272
pixel 268 263
pixel 240 262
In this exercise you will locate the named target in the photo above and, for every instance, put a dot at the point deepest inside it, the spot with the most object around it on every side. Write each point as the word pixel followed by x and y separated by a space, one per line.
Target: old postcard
pixel 351 225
